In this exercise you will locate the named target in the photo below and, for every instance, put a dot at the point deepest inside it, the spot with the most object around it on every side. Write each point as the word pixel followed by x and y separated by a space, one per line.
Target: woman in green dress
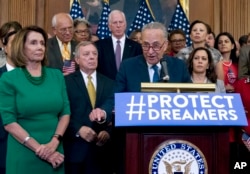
pixel 34 107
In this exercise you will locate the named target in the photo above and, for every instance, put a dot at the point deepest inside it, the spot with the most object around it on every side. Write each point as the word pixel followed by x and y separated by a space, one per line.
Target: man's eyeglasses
pixel 65 30
pixel 155 47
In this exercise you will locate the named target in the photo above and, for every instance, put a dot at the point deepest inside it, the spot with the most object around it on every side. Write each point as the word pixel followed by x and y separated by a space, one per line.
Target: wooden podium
pixel 142 141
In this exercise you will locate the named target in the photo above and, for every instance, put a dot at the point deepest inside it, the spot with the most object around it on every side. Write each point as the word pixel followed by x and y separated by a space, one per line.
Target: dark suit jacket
pixel 3 133
pixel 54 54
pixel 135 70
pixel 75 147
pixel 106 55
pixel 244 62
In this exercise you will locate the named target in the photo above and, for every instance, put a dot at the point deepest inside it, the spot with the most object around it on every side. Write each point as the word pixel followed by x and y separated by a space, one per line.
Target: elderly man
pixel 152 66
pixel 61 47
pixel 152 63
pixel 113 50
pixel 91 102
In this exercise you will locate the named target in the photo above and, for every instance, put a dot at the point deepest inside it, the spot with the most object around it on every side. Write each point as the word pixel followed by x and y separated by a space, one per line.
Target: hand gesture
pixel 97 115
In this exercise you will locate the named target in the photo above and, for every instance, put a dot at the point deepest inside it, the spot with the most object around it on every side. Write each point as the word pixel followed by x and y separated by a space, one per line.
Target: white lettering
pixel 212 114
pixel 165 100
pixel 180 101
pixel 153 114
pixel 213 101
pixel 165 114
pixel 152 99
pixel 176 114
pixel 205 101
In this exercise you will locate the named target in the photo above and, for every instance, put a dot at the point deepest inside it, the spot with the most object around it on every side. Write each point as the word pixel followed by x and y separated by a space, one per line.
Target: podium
pixel 143 135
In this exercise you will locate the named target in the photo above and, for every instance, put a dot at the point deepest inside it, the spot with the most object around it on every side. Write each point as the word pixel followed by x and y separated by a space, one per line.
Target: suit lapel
pixel 143 69
pixel 127 48
pixel 57 50
pixel 99 87
pixel 111 53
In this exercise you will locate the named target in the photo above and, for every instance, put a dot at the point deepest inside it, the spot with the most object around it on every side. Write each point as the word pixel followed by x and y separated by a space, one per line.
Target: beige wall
pixel 222 15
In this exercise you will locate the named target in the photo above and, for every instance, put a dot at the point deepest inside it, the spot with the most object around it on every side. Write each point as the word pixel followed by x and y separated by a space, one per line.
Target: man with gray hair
pixel 61 47
pixel 113 50
pixel 153 65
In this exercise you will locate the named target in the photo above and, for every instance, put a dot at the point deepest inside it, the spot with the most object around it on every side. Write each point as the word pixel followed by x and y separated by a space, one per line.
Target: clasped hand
pixel 48 152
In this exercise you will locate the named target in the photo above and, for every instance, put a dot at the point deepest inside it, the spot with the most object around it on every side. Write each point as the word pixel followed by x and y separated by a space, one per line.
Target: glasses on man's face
pixel 175 41
pixel 155 46
pixel 65 30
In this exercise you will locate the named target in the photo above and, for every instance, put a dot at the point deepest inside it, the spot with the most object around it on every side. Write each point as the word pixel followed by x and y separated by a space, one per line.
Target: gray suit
pixel 54 53
pixel 244 62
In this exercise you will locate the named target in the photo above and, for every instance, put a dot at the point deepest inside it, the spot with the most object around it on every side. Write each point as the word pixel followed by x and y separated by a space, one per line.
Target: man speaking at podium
pixel 153 65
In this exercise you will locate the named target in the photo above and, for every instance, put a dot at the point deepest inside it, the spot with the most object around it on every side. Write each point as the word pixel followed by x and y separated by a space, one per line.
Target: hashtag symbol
pixel 135 108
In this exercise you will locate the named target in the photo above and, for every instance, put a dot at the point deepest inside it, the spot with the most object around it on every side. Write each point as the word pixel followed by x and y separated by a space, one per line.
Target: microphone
pixel 164 67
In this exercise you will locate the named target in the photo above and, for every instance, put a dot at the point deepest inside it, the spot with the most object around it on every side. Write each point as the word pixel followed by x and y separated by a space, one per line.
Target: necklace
pixel 227 64
pixel 35 80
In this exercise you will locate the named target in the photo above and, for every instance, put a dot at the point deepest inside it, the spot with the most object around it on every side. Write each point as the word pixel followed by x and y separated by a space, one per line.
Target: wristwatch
pixel 59 137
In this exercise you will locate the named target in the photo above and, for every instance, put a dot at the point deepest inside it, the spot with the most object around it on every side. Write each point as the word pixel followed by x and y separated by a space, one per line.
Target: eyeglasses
pixel 81 31
pixel 65 30
pixel 177 41
pixel 155 47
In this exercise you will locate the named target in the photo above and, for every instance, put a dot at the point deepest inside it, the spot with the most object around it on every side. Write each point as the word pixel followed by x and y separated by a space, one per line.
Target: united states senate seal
pixel 177 157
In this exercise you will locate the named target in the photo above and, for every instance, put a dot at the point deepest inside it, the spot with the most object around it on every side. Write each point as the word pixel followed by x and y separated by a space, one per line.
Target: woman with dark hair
pixel 201 68
pixel 34 107
pixel 199 31
pixel 7 31
pixel 227 68
pixel 82 31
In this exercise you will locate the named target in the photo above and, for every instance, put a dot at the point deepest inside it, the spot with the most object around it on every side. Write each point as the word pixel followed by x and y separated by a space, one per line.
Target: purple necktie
pixel 118 54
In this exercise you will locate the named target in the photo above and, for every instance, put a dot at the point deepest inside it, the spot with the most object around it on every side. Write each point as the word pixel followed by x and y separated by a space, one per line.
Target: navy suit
pixel 54 55
pixel 134 71
pixel 78 152
pixel 106 55
pixel 3 136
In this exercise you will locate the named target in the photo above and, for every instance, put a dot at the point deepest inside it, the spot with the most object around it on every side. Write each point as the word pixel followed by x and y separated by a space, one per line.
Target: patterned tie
pixel 65 52
pixel 156 76
pixel 118 54
pixel 91 91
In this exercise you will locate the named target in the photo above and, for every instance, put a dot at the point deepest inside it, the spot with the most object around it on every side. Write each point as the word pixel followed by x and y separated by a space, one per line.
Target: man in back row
pixel 113 50
pixel 61 47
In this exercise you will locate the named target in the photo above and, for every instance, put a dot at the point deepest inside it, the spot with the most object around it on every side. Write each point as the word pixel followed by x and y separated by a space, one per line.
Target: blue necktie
pixel 156 76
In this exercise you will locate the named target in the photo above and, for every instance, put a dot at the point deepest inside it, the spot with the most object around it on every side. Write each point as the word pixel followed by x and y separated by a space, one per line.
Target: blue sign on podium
pixel 179 109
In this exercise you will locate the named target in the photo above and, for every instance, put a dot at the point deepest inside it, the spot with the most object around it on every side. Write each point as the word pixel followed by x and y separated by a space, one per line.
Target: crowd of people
pixel 57 95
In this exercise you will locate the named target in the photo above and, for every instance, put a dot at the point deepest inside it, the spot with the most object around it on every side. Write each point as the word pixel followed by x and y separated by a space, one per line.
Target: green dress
pixel 37 108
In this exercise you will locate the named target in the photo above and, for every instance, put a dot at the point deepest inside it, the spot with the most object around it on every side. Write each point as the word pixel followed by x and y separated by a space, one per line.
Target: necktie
pixel 91 91
pixel 118 54
pixel 65 52
pixel 156 76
